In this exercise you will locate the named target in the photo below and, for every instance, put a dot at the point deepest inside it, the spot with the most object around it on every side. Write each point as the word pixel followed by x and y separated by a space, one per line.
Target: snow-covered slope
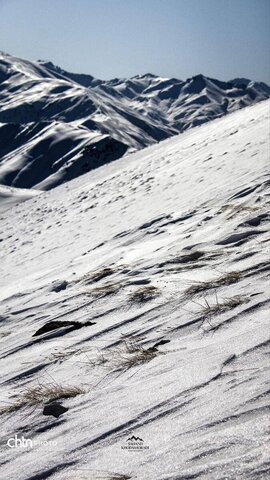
pixel 10 196
pixel 155 275
pixel 56 125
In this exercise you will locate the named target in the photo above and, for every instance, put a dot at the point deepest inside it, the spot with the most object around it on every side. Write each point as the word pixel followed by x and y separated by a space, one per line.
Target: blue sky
pixel 119 38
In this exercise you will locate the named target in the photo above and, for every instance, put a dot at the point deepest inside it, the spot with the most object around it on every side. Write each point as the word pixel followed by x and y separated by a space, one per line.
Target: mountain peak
pixel 145 75
pixel 74 122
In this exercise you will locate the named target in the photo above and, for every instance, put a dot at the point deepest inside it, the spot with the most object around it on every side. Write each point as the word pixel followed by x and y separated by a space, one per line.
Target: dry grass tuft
pixel 135 354
pixel 128 355
pixel 99 274
pixel 34 396
pixel 96 276
pixel 216 308
pixel 104 291
pixel 144 294
pixel 61 355
pixel 227 279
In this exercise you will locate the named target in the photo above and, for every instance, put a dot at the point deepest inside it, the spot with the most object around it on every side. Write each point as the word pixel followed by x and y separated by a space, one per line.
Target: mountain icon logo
pixel 134 443
pixel 134 439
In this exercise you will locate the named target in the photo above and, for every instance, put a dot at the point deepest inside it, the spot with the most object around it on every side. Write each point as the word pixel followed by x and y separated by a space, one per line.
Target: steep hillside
pixel 134 307
pixel 56 125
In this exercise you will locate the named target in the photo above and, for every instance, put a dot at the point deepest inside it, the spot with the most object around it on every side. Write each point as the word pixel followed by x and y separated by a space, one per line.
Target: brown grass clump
pixel 216 308
pixel 62 355
pixel 128 355
pixel 104 291
pixel 99 274
pixel 135 354
pixel 227 279
pixel 96 276
pixel 144 294
pixel 33 396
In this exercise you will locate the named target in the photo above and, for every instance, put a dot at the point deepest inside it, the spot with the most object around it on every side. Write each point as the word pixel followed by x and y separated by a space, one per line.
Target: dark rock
pixel 58 286
pixel 56 324
pixel 54 409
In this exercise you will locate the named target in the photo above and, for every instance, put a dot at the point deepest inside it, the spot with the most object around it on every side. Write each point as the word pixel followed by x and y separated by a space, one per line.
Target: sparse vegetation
pixel 96 276
pixel 209 310
pixel 227 279
pixel 104 272
pixel 126 356
pixel 41 393
pixel 144 294
pixel 105 290
pixel 60 356
pixel 233 209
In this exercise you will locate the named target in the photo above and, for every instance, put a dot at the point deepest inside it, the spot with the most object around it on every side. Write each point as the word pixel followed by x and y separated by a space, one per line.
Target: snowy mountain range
pixel 56 125
pixel 135 298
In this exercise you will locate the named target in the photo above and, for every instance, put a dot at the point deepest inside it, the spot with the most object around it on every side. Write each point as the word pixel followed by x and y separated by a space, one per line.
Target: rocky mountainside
pixel 56 125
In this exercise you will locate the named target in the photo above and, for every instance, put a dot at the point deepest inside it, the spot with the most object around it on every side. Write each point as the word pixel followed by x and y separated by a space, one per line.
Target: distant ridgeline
pixel 56 125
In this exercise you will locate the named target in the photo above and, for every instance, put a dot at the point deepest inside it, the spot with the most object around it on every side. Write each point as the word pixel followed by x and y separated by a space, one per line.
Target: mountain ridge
pixel 55 125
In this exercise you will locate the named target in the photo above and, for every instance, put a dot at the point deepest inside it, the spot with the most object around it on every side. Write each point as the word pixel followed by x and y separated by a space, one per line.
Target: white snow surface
pixel 189 213
pixel 11 195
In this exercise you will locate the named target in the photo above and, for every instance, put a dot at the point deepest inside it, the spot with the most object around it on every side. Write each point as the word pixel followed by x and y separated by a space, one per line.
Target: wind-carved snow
pixel 56 125
pixel 150 283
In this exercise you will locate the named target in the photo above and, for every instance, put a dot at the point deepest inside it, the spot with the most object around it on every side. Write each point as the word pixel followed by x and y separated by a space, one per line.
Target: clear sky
pixel 120 38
